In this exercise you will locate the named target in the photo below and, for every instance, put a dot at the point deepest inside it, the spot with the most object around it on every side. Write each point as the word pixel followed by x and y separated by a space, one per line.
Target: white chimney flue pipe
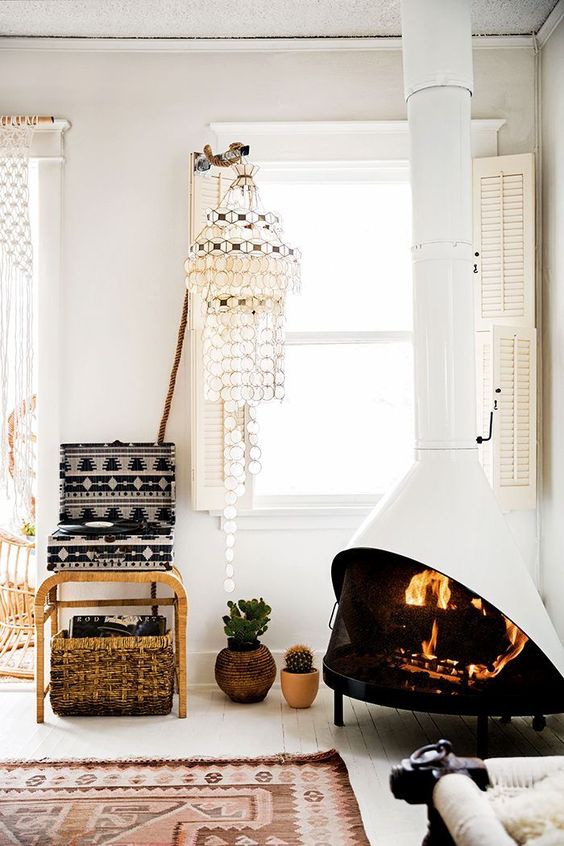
pixel 437 62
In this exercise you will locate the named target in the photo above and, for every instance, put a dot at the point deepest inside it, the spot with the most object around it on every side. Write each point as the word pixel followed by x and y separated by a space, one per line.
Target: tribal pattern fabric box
pixel 118 482
pixel 125 552
pixel 115 482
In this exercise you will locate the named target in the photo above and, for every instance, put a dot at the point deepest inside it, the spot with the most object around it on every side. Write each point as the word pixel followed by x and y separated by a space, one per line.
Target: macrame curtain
pixel 16 314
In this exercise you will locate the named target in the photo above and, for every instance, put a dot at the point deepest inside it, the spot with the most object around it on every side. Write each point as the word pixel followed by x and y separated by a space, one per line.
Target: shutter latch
pixel 481 439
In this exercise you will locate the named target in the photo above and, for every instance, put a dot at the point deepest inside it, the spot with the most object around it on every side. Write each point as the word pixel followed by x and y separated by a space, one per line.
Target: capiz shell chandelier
pixel 242 269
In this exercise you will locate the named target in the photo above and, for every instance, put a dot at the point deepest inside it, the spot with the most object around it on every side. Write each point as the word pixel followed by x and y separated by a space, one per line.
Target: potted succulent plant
pixel 245 670
pixel 299 678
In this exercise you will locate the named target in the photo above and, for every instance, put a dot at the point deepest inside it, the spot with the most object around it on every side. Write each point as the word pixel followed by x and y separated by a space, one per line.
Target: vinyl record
pixel 100 528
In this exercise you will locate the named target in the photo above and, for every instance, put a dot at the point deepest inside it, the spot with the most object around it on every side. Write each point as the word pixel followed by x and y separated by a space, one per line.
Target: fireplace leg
pixel 482 736
pixel 338 708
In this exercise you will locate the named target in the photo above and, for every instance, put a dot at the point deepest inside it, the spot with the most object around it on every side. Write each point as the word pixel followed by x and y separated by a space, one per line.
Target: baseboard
pixel 201 666
pixel 17 687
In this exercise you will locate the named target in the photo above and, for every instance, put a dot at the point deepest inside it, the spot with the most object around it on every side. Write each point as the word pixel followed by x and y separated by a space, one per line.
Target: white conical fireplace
pixel 443 515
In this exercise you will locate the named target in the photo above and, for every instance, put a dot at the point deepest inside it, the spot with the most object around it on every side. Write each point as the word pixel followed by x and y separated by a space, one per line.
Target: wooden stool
pixel 47 604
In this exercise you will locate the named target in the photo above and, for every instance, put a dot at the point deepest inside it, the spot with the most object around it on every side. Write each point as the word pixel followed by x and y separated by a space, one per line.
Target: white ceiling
pixel 245 18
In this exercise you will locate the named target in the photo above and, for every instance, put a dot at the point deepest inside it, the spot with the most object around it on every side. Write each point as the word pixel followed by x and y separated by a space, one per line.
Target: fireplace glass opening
pixel 408 636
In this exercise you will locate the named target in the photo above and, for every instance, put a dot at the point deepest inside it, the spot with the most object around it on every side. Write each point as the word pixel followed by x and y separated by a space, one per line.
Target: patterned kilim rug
pixel 280 801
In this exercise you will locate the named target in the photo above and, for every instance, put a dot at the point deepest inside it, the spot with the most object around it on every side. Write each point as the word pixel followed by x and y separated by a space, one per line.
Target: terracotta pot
pixel 299 689
pixel 245 676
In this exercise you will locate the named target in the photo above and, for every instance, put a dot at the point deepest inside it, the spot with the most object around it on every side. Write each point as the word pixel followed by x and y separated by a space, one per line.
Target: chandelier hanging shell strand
pixel 242 269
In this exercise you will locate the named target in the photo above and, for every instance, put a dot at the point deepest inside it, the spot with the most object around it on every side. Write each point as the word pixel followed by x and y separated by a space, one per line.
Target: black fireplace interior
pixel 409 637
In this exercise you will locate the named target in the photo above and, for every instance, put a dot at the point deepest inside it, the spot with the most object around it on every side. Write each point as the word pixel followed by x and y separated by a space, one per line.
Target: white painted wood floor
pixel 373 739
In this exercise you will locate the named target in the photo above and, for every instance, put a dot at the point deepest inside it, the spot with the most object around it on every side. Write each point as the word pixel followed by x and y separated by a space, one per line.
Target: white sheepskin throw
pixel 535 816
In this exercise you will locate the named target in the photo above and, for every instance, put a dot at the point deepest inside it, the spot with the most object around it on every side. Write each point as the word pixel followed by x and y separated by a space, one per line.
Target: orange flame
pixel 428 584
pixel 428 646
pixel 517 641
pixel 422 583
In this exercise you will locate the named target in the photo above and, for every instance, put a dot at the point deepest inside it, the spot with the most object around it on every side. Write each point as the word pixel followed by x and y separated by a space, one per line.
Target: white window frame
pixel 47 156
pixel 348 151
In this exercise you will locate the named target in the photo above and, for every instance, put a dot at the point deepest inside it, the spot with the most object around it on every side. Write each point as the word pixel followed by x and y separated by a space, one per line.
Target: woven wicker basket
pixel 114 676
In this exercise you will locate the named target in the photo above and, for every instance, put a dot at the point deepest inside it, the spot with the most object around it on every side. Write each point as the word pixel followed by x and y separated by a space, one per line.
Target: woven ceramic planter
pixel 299 689
pixel 245 676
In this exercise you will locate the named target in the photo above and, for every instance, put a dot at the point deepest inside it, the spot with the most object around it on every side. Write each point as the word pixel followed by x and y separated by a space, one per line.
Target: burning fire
pixel 517 641
pixel 428 646
pixel 428 584
pixel 422 583
pixel 477 603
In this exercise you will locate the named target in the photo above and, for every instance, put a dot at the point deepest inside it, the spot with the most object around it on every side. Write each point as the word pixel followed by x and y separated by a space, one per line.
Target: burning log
pixel 414 625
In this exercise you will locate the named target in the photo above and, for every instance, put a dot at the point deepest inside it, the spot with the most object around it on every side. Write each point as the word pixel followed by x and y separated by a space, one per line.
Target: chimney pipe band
pixel 440 81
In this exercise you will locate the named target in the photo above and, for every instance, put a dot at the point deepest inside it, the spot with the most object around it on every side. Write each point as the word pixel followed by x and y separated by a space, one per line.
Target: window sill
pixel 296 518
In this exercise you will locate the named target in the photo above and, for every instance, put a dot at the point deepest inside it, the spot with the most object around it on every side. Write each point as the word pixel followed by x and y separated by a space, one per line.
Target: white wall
pixel 135 117
pixel 552 540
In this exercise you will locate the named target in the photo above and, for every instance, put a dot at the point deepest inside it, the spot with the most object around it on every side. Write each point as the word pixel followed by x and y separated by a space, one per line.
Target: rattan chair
pixel 17 592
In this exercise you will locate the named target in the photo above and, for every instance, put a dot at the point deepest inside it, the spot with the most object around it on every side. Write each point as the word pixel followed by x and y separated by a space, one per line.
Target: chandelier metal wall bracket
pixel 236 152
pixel 242 268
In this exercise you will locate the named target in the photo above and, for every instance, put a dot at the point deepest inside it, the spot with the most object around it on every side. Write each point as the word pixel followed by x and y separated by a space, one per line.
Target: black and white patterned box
pixel 112 482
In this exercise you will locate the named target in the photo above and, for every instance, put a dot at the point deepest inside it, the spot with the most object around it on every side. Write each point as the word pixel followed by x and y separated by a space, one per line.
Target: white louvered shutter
pixel 507 382
pixel 504 246
pixel 514 371
pixel 504 240
pixel 208 493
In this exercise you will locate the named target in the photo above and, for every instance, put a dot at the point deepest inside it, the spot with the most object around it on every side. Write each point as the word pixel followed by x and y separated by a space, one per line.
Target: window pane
pixel 355 243
pixel 346 424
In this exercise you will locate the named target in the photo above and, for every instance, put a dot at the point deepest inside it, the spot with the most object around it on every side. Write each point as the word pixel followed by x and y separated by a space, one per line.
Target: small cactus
pixel 299 659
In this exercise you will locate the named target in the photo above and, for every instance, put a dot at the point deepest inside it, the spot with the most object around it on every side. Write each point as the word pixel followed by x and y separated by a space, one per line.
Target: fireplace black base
pixel 364 692
pixel 407 636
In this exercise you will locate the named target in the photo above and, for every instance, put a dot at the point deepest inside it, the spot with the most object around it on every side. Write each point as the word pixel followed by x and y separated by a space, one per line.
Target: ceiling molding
pixel 243 45
pixel 550 24
pixel 502 42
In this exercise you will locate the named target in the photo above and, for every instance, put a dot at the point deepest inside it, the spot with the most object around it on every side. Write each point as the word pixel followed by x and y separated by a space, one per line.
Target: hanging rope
pixel 154 608
pixel 221 160
pixel 174 369
pixel 168 399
